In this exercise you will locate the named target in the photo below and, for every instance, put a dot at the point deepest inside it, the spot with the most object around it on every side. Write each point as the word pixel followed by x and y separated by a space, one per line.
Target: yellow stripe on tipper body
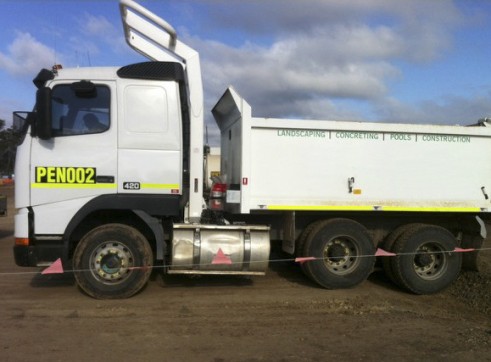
pixel 431 209
pixel 319 208
pixel 370 208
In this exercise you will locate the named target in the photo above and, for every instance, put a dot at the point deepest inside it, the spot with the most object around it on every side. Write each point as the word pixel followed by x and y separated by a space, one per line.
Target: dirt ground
pixel 279 317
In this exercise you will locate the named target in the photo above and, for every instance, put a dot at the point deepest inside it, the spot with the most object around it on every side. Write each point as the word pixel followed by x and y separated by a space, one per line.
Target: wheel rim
pixel 430 261
pixel 111 262
pixel 341 255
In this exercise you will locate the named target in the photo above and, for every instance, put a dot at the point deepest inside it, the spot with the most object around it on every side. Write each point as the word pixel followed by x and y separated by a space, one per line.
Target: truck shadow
pixel 193 281
pixel 290 271
pixel 5 233
pixel 66 279
pixel 379 278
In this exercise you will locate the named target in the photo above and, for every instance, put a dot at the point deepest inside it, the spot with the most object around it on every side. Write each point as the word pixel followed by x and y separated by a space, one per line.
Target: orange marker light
pixel 22 241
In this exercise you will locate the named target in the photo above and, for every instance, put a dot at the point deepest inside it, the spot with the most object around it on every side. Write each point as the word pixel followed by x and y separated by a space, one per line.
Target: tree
pixel 9 140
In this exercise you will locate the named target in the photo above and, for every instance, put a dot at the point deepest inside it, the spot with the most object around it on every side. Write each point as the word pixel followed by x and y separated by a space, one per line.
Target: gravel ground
pixel 474 288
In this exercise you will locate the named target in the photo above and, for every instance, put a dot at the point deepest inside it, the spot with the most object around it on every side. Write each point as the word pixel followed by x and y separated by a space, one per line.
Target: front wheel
pixel 344 253
pixel 112 261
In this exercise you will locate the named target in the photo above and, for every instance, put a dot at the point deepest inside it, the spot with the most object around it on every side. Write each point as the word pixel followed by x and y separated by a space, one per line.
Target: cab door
pixel 79 161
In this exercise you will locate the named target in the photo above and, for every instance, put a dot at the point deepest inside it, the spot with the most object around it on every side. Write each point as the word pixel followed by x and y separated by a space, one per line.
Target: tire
pixel 301 242
pixel 388 245
pixel 344 252
pixel 425 263
pixel 112 261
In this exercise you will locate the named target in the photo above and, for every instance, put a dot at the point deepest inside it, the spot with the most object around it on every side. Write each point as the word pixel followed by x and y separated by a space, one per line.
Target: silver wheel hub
pixel 430 261
pixel 340 255
pixel 111 262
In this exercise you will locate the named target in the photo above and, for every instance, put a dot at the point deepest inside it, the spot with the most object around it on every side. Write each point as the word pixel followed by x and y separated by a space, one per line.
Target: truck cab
pixel 112 139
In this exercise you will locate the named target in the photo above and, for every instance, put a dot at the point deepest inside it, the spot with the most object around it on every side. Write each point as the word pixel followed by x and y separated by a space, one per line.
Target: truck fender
pixel 142 206
pixel 156 226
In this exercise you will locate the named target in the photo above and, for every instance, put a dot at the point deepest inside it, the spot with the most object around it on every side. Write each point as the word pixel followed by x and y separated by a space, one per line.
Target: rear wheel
pixel 344 253
pixel 112 261
pixel 301 242
pixel 425 263
pixel 388 245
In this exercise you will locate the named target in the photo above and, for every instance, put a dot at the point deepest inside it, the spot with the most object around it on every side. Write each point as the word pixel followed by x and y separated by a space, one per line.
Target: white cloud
pixel 309 56
pixel 26 56
pixel 449 109
pixel 422 26
pixel 299 68
pixel 97 25
pixel 96 32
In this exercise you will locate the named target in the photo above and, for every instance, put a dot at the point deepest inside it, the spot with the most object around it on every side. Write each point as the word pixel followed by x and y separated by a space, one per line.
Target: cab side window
pixel 74 114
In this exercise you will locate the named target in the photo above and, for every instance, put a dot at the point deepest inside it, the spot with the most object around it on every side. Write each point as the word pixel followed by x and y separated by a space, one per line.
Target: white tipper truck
pixel 109 179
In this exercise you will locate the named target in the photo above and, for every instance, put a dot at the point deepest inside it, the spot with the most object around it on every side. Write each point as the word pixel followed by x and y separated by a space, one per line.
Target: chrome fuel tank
pixel 213 249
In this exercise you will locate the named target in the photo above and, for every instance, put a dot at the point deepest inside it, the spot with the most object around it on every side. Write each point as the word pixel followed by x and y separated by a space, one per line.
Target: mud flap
pixel 474 235
pixel 470 259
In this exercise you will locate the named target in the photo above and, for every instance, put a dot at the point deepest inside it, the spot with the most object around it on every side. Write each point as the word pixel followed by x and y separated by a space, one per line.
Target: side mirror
pixel 43 111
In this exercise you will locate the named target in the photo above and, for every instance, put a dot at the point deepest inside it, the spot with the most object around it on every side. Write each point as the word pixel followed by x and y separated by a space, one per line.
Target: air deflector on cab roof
pixel 153 71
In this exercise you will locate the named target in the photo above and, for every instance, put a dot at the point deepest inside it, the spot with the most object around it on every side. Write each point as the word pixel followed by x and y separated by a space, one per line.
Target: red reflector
pixel 22 241
pixel 218 190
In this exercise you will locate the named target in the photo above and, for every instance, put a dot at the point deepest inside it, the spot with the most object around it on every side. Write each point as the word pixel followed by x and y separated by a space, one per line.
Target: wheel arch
pixel 144 213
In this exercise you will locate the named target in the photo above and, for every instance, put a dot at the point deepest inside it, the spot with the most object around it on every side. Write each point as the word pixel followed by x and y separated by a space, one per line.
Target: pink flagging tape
pixel 221 258
pixel 144 268
pixel 55 268
pixel 303 260
pixel 460 250
pixel 382 252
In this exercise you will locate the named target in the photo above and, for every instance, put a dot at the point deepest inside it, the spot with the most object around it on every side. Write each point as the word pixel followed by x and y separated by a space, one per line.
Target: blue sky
pixel 415 61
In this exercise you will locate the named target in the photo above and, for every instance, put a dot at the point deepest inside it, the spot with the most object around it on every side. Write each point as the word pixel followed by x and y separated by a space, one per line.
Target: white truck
pixel 109 179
